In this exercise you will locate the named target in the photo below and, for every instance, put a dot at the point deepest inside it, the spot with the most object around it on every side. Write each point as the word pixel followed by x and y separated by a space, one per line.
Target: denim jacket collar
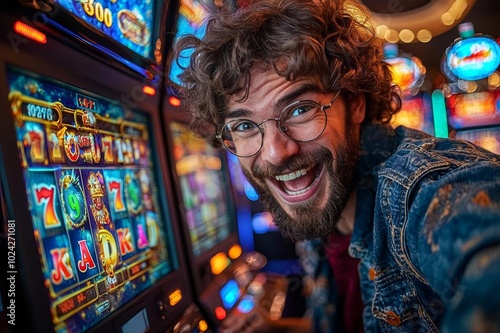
pixel 378 142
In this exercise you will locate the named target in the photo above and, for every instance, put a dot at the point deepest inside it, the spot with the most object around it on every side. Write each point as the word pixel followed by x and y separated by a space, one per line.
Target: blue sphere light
pixel 473 58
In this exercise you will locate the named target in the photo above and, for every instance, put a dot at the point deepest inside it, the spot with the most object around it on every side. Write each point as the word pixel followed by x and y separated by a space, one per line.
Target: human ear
pixel 358 108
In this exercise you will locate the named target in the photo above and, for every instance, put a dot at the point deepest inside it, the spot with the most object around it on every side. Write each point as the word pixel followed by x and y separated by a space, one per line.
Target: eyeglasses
pixel 302 121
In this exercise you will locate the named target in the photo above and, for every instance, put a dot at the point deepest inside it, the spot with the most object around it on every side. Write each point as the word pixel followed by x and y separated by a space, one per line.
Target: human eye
pixel 243 127
pixel 300 111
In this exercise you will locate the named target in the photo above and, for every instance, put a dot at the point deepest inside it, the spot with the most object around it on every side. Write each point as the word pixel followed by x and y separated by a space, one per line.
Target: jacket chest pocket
pixel 397 304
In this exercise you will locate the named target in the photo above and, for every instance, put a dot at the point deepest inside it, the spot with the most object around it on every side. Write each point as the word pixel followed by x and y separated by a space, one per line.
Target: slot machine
pixel 408 73
pixel 471 107
pixel 226 278
pixel 256 229
pixel 475 117
pixel 90 237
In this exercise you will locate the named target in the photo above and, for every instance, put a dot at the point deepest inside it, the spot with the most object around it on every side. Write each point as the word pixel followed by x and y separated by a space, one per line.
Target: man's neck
pixel 346 222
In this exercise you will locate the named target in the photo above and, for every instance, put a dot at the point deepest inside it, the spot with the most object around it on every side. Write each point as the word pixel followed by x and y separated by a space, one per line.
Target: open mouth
pixel 299 184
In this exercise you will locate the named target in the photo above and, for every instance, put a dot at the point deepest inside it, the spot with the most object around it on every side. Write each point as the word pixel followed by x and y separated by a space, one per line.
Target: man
pixel 298 90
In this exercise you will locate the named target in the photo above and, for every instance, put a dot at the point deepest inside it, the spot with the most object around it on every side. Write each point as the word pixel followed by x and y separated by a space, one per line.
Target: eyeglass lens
pixel 302 121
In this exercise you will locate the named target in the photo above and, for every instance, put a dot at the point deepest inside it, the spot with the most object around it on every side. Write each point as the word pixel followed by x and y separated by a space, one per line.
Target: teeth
pixel 297 192
pixel 292 175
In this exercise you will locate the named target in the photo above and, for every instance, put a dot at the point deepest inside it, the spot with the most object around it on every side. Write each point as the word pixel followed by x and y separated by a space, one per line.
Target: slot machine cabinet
pixel 475 117
pixel 408 73
pixel 472 103
pixel 279 253
pixel 84 179
pixel 226 278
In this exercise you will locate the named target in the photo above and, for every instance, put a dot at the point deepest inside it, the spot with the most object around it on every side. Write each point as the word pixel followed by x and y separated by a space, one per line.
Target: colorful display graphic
pixel 90 185
pixel 473 58
pixel 129 22
pixel 202 182
pixel 406 73
pixel 190 21
pixel 488 138
pixel 416 112
pixel 474 109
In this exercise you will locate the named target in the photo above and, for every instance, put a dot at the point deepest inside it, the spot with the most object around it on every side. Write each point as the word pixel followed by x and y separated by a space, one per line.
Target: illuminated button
pixel 246 305
pixel 392 319
pixel 220 313
pixel 235 251
pixel 175 297
pixel 219 262
pixel 202 325
pixel 174 101
pixel 148 90
pixel 230 293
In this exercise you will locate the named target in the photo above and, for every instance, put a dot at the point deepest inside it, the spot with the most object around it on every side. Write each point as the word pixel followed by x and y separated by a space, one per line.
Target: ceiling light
pixel 406 35
pixel 437 17
pixel 424 35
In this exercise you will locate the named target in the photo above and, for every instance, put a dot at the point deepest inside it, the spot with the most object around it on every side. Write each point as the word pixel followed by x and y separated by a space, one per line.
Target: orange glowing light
pixel 219 262
pixel 30 32
pixel 175 297
pixel 174 101
pixel 235 251
pixel 202 326
pixel 148 90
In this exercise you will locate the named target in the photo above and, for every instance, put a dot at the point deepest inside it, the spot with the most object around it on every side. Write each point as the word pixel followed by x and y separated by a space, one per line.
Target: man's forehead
pixel 267 85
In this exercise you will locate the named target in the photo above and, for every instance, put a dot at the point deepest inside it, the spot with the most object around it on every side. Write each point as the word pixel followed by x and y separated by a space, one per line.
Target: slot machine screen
pixel 416 112
pixel 189 21
pixel 473 110
pixel 488 138
pixel 101 229
pixel 130 23
pixel 204 185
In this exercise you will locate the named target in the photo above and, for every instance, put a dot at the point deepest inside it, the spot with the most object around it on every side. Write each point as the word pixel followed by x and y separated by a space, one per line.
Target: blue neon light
pixel 246 305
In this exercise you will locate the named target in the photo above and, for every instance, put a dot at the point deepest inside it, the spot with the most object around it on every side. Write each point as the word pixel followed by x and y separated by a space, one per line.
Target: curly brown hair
pixel 322 40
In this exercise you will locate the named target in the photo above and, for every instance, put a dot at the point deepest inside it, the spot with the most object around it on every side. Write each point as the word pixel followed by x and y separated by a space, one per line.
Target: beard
pixel 309 222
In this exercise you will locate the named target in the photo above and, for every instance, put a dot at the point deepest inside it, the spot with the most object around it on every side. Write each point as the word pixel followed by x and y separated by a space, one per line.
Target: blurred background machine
pixel 471 94
pixel 408 74
pixel 227 276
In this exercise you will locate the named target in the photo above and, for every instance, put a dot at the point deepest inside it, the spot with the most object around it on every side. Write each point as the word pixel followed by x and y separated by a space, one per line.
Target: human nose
pixel 277 146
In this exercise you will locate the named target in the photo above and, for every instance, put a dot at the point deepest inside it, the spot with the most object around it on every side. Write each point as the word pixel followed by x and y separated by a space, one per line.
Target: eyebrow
pixel 280 104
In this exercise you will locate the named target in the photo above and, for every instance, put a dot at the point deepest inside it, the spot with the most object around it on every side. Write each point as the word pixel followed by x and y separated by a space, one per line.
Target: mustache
pixel 323 155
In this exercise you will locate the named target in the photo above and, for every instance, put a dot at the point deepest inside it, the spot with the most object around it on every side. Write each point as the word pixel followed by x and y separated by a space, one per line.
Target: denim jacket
pixel 425 207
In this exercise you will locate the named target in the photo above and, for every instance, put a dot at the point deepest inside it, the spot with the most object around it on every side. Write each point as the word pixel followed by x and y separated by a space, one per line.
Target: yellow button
pixel 202 325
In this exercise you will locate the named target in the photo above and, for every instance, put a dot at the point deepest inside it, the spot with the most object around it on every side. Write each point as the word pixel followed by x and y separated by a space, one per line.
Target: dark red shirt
pixel 345 272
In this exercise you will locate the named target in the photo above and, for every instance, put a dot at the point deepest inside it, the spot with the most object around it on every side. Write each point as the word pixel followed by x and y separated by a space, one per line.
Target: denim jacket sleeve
pixel 476 306
pixel 451 236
